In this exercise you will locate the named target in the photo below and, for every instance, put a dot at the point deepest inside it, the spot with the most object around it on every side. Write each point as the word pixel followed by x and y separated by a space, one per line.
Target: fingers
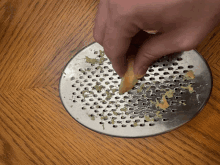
pixel 100 22
pixel 116 43
pixel 158 46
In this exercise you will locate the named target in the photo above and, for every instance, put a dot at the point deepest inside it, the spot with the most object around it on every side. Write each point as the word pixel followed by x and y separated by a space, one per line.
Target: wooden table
pixel 37 39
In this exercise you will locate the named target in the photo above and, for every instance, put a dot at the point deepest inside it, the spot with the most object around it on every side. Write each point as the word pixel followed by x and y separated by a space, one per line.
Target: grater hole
pixel 96 111
pixel 78 96
pixel 180 67
pixel 109 114
pixel 142 125
pixel 166 73
pixel 72 78
pixel 173 110
pixel 161 78
pixel 165 64
pixel 156 119
pixel 179 59
pixel 151 124
pixel 91 107
pixel 77 81
pixel 128 121
pixel 155 65
pixel 156 74
pixel 190 66
pixel 110 70
pixel 83 108
pixel 74 101
pixel 175 63
pixel 177 81
pixel 115 126
pixel 181 76
pixel 89 76
pixel 152 78
pixel 73 85
pixel 171 77
pixel 74 93
pixel 165 119
pixel 150 70
pixel 147 75
pixel 170 68
pixel 175 72
pixel 81 85
pixel 160 69
pixel 123 117
pixel 77 89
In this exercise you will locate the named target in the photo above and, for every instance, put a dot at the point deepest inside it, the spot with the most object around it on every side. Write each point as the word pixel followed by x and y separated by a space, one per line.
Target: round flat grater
pixel 174 89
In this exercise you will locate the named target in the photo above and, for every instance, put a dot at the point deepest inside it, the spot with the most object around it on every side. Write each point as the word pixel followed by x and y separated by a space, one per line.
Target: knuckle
pixel 188 44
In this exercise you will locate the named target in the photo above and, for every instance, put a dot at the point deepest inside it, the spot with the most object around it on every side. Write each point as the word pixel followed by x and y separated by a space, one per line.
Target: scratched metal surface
pixel 134 113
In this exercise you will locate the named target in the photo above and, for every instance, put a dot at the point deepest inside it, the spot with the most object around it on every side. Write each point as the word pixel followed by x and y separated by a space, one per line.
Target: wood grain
pixel 37 39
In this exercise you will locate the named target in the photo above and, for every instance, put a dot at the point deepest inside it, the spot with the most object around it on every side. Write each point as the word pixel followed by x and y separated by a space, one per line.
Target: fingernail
pixel 141 72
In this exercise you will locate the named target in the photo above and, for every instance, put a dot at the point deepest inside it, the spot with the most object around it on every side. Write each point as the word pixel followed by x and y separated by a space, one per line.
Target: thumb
pixel 161 45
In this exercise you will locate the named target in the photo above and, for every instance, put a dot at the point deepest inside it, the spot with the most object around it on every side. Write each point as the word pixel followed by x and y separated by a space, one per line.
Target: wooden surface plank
pixel 37 39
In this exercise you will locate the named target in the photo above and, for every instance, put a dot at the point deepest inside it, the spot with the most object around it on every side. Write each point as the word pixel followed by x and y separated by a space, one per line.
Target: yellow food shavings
pixel 101 53
pixel 158 114
pixel 182 103
pixel 115 113
pixel 91 60
pixel 104 117
pixel 163 104
pixel 99 67
pixel 189 75
pixel 135 124
pixel 109 95
pixel 103 126
pixel 83 71
pixel 83 93
pixel 98 87
pixel 140 89
pixel 124 109
pixel 111 102
pixel 113 121
pixel 148 88
pixel 147 118
pixel 189 87
pixel 113 90
pixel 92 117
pixel 101 79
pixel 101 60
pixel 170 93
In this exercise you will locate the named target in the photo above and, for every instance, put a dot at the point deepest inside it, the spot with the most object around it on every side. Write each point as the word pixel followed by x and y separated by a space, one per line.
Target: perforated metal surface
pixel 89 93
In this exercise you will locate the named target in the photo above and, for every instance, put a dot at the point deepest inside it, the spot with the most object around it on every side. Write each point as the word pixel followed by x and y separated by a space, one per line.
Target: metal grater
pixel 134 114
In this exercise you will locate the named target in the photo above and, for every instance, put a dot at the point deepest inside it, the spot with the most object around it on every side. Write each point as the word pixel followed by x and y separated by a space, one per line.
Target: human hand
pixel 182 25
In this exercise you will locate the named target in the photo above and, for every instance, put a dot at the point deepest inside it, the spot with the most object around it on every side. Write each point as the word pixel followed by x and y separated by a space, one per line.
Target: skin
pixel 181 25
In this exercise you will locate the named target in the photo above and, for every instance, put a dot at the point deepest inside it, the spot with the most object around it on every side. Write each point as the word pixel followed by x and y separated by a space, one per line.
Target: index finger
pixel 116 43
